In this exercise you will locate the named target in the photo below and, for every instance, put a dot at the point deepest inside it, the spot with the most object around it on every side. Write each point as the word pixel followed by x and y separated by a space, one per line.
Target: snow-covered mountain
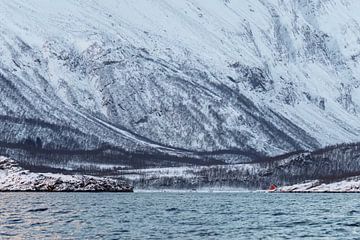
pixel 260 76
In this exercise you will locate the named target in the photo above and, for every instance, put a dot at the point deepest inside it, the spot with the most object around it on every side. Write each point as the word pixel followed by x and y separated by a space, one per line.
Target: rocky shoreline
pixel 348 185
pixel 13 178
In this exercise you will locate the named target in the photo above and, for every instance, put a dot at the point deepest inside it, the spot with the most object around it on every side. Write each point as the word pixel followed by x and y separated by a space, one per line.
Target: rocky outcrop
pixel 15 178
pixel 347 185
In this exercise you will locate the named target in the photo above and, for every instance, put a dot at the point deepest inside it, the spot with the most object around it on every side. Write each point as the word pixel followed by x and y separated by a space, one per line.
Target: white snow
pixel 208 36
pixel 183 172
pixel 14 178
pixel 348 185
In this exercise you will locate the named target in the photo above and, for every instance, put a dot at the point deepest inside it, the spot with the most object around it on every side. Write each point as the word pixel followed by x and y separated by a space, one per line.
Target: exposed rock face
pixel 15 178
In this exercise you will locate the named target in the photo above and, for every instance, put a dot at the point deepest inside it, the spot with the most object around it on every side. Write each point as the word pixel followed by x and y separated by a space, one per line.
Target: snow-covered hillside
pixel 335 168
pixel 15 178
pixel 266 76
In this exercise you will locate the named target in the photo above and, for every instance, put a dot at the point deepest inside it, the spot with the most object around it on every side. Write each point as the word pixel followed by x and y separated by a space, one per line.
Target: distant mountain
pixel 229 80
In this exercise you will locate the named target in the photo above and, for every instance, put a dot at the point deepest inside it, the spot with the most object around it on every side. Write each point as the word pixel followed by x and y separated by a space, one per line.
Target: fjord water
pixel 178 216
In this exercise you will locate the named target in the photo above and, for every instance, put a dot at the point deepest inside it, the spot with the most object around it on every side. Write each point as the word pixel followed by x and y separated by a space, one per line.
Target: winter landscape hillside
pixel 89 85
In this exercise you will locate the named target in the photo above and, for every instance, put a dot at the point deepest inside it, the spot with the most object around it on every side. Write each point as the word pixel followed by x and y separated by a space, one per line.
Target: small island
pixel 14 178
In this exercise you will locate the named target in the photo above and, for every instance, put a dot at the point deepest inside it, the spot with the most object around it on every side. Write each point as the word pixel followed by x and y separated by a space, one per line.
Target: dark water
pixel 179 216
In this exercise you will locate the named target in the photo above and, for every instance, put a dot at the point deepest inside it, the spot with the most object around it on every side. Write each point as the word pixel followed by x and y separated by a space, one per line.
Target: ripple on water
pixel 355 224
pixel 171 209
pixel 4 234
pixel 353 212
pixel 279 214
pixel 38 210
pixel 178 216
pixel 38 224
pixel 63 212
pixel 15 221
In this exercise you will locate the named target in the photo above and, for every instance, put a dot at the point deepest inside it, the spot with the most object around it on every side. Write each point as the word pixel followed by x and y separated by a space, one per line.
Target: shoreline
pixel 44 191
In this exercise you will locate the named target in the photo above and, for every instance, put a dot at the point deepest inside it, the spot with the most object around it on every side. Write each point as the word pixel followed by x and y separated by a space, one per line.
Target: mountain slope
pixel 257 76
pixel 335 168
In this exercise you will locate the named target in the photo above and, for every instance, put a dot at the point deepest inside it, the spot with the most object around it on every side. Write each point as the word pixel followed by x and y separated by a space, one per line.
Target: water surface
pixel 179 216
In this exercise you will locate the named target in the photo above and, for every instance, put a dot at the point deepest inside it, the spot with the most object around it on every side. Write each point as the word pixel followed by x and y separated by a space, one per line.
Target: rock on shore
pixel 15 178
pixel 351 184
